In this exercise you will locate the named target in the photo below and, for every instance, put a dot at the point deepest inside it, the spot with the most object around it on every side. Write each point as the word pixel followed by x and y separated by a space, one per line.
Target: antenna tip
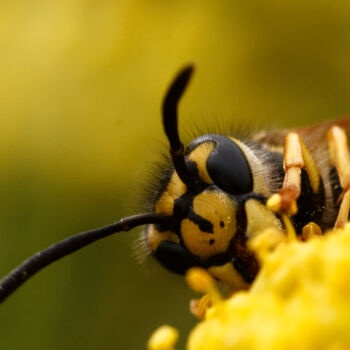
pixel 175 90
pixel 185 74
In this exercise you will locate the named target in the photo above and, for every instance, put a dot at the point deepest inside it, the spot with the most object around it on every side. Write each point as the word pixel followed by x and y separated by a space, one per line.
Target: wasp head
pixel 210 198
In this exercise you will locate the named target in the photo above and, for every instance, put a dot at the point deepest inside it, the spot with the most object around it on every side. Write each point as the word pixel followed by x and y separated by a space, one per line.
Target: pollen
pixel 163 338
pixel 299 299
pixel 199 280
pixel 266 241
pixel 274 202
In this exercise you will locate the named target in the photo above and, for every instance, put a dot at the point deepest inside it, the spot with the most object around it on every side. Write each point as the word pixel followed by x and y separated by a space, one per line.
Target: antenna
pixel 68 246
pixel 169 110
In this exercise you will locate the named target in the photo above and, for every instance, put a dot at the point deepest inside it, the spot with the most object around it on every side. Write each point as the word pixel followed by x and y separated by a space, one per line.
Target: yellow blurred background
pixel 80 93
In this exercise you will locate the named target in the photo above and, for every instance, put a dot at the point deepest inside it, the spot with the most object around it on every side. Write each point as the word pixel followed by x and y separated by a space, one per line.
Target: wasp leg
pixel 340 158
pixel 199 307
pixel 293 162
pixel 343 213
pixel 296 157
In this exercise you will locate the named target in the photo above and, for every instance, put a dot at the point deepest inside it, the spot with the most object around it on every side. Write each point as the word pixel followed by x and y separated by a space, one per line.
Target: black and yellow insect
pixel 220 191
pixel 216 191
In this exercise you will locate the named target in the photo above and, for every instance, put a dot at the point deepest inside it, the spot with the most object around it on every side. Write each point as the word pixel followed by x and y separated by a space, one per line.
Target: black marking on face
pixel 203 224
pixel 183 209
pixel 165 227
pixel 192 168
pixel 175 257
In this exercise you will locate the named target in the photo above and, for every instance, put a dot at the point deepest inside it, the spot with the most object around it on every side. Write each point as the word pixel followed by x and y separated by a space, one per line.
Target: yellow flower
pixel 299 300
pixel 163 338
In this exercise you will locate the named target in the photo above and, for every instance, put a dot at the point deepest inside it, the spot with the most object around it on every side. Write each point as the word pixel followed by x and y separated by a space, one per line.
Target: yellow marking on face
pixel 154 237
pixel 220 210
pixel 229 275
pixel 259 218
pixel 311 167
pixel 200 156
pixel 175 189
pixel 165 204
pixel 259 182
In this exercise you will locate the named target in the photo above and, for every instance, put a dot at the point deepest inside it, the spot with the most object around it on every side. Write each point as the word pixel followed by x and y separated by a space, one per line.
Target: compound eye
pixel 228 167
pixel 174 257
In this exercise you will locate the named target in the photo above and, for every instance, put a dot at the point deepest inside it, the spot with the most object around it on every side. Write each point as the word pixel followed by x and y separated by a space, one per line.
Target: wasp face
pixel 209 218
pixel 213 200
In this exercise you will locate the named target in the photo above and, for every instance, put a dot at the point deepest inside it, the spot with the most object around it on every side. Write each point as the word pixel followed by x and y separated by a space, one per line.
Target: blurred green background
pixel 80 93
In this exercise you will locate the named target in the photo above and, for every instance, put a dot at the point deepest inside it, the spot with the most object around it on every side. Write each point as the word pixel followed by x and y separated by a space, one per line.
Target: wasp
pixel 219 191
